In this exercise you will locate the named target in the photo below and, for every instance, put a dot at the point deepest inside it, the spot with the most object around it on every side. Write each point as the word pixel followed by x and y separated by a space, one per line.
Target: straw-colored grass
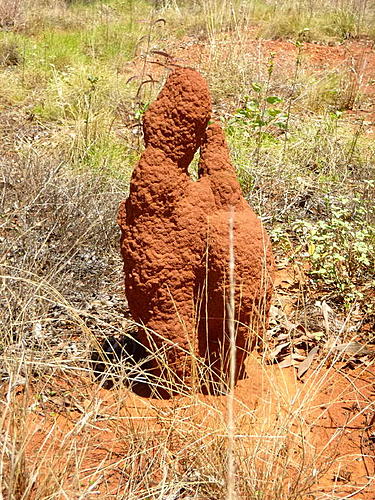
pixel 74 83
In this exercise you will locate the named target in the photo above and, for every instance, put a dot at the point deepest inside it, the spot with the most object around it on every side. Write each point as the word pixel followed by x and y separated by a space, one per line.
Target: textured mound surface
pixel 175 236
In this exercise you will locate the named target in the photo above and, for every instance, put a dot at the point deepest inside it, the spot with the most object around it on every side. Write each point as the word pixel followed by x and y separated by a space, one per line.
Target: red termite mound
pixel 175 237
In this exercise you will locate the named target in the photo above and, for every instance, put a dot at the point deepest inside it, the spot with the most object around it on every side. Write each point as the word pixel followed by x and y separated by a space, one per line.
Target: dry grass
pixel 90 440
pixel 69 139
pixel 63 435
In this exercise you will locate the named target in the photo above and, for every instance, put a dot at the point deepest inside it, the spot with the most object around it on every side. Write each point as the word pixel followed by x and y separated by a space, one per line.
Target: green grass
pixel 60 49
pixel 319 171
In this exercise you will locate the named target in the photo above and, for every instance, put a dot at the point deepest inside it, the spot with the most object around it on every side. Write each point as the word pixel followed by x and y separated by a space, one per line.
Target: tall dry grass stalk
pixel 231 495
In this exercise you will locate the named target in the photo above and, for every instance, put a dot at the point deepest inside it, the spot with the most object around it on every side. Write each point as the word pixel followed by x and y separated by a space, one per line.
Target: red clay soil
pixel 175 236
pixel 318 436
pixel 332 412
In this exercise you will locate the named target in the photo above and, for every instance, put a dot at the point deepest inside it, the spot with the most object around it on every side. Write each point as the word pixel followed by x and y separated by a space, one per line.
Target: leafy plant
pixel 140 111
pixel 340 247
pixel 261 114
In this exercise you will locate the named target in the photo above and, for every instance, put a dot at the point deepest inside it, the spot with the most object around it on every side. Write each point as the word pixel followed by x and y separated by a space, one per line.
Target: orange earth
pixel 326 425
pixel 318 432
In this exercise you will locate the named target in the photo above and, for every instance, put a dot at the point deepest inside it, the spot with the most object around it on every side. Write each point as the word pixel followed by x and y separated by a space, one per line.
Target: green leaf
pixel 311 248
pixel 274 112
pixel 252 104
pixel 272 99
pixel 256 87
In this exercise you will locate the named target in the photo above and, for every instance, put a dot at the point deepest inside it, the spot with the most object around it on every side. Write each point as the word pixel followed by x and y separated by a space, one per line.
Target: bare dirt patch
pixel 114 437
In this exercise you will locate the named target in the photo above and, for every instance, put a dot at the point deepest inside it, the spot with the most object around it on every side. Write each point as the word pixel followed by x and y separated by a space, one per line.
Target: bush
pixel 341 247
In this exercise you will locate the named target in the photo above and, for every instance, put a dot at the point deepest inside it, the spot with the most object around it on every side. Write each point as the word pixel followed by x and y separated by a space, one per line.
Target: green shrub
pixel 341 247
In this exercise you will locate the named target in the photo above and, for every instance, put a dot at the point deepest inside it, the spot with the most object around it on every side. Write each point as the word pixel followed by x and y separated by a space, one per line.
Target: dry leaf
pixel 289 325
pixel 275 313
pixel 288 361
pixel 278 349
pixel 283 336
pixel 325 311
pixel 306 363
pixel 352 348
